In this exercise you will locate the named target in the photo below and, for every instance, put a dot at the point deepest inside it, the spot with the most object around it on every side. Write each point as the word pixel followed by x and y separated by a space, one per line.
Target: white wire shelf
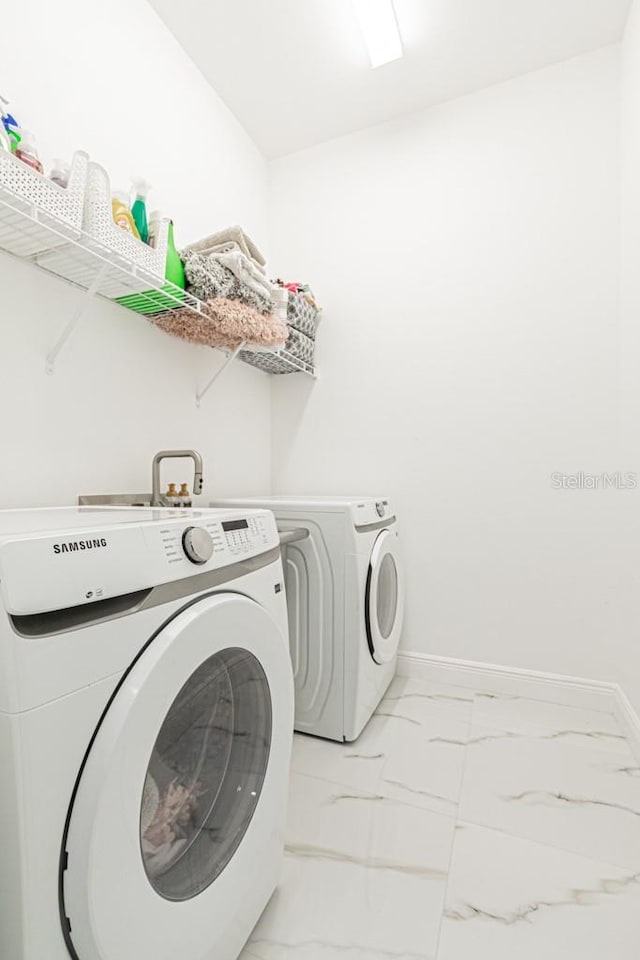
pixel 276 361
pixel 34 236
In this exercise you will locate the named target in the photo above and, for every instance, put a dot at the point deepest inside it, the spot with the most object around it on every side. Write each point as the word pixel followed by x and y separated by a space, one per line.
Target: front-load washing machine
pixel 146 712
pixel 345 594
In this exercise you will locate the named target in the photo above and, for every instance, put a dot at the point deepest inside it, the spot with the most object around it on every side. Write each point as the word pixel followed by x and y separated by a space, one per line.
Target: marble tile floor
pixel 461 826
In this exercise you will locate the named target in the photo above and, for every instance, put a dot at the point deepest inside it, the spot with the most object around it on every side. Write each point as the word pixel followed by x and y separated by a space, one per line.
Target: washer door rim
pixel 102 834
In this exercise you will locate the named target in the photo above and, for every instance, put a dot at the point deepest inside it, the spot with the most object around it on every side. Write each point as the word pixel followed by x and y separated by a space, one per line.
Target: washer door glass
pixel 205 774
pixel 384 603
pixel 387 599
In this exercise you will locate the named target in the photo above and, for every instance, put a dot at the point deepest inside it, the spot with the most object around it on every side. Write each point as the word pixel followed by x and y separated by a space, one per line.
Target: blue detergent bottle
pixel 9 123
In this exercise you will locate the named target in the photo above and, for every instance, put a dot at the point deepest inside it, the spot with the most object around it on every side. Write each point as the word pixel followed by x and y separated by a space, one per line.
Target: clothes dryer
pixel 345 596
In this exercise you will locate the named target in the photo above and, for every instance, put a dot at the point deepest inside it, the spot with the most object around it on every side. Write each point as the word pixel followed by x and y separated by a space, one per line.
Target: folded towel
pixel 244 269
pixel 207 277
pixel 231 234
pixel 225 323
pixel 232 247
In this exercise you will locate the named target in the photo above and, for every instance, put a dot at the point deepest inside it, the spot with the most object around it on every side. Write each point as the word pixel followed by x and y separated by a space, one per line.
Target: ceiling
pixel 296 72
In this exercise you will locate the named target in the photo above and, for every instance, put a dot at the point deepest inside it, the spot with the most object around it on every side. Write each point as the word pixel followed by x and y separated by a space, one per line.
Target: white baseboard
pixel 629 720
pixel 491 678
pixel 556 688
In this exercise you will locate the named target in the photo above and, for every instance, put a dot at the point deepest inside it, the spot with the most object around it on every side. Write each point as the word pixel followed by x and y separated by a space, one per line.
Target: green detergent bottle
pixel 139 208
pixel 174 271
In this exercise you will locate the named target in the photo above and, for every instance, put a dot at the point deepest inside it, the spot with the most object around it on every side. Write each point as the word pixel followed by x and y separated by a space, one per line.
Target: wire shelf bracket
pixel 87 299
pixel 230 357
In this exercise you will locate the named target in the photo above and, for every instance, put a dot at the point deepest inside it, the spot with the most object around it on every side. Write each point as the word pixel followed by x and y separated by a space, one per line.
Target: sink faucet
pixel 157 500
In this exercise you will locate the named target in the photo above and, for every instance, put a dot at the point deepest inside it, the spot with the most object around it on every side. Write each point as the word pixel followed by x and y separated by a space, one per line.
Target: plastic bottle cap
pixel 141 187
pixel 26 138
pixel 14 133
pixel 121 196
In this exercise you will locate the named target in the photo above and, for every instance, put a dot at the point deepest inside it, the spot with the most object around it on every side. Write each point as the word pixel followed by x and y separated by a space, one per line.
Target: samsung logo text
pixel 74 545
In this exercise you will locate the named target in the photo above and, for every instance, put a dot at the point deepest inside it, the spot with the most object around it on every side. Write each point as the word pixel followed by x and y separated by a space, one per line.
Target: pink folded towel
pixel 228 323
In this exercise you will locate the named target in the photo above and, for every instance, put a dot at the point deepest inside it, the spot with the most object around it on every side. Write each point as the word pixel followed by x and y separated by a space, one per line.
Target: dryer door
pixel 384 598
pixel 182 794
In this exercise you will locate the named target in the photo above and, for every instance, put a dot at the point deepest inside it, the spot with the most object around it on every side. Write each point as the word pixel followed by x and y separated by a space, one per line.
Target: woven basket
pixel 301 315
pixel 275 363
pixel 98 223
pixel 299 354
pixel 300 346
pixel 31 193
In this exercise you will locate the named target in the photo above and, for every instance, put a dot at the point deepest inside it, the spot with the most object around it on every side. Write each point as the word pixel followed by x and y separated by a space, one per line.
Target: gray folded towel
pixel 232 234
pixel 207 278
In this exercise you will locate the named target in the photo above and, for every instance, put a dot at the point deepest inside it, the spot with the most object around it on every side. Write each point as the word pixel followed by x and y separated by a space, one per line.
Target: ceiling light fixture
pixel 380 28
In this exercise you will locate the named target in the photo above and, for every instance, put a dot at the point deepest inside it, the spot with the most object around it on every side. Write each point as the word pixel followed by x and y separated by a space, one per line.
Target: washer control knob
pixel 197 543
pixel 380 508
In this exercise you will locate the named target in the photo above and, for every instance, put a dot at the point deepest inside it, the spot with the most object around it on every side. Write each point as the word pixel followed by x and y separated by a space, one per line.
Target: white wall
pixel 111 79
pixel 466 258
pixel 630 345
pixel 467 261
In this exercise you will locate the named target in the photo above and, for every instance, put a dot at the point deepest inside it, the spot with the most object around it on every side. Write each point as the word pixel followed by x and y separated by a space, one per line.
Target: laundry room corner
pixel 452 246
pixel 629 342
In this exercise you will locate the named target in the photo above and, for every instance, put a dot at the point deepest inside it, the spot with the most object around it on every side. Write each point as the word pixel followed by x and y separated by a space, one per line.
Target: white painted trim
pixel 629 720
pixel 491 678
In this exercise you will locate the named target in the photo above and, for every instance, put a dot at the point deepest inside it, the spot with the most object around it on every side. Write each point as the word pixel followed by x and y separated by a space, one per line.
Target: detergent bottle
pixel 174 271
pixel 139 209
pixel 122 216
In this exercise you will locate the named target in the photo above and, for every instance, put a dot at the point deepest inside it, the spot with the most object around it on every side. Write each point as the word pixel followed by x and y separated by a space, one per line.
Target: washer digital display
pixel 229 525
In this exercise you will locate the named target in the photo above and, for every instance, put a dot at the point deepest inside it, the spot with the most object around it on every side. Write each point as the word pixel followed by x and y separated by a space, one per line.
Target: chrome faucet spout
pixel 157 499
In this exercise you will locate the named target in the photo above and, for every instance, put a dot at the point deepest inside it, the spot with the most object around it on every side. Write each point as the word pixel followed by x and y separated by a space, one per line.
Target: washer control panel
pixel 197 544
pixel 86 555
pixel 242 535
pixel 215 539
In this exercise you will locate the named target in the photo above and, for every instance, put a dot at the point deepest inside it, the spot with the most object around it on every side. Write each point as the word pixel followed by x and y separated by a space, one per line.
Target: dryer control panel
pixel 367 512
